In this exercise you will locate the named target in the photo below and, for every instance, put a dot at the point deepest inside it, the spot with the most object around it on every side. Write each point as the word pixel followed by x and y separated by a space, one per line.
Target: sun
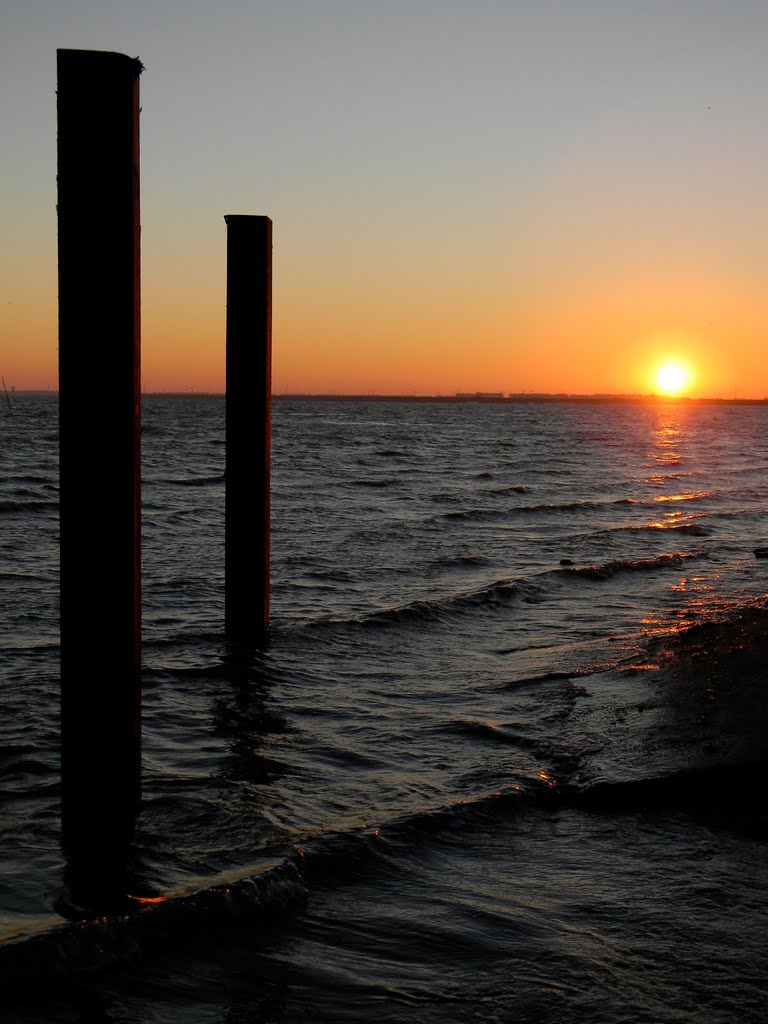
pixel 672 378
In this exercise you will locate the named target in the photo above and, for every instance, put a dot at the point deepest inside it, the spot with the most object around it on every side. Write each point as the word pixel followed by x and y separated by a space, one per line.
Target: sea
pixel 501 756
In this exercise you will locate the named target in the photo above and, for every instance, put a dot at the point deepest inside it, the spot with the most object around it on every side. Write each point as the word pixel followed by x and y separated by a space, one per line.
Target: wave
pixel 510 734
pixel 494 595
pixel 27 577
pixel 195 481
pixel 548 507
pixel 692 529
pixel 51 952
pixel 512 489
pixel 687 529
pixel 84 940
pixel 501 593
pixel 552 677
pixel 462 561
pixel 609 569
pixel 474 513
pixel 689 496
pixel 29 478
pixel 373 483
pixel 27 506
pixel 495 513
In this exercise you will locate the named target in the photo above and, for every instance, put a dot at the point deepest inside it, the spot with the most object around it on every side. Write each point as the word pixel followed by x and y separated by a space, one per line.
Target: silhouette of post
pixel 249 403
pixel 99 424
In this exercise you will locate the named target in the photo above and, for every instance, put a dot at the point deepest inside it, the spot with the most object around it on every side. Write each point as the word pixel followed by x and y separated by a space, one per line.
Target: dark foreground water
pixel 502 758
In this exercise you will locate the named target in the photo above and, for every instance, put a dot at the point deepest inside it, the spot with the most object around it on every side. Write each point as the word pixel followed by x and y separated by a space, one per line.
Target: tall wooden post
pixel 249 404
pixel 99 422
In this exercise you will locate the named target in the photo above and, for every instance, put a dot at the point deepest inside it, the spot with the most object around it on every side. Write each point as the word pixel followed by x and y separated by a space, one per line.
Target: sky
pixel 467 195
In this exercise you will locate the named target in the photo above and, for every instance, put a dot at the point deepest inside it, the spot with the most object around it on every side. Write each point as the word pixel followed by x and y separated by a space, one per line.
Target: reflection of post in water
pixel 242 713
pixel 99 395
pixel 248 403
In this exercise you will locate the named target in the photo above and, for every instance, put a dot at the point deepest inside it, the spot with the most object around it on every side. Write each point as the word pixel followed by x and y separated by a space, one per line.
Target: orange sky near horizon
pixel 465 335
pixel 550 199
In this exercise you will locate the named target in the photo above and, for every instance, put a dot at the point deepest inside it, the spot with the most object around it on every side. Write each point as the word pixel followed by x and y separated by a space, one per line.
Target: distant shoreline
pixel 512 399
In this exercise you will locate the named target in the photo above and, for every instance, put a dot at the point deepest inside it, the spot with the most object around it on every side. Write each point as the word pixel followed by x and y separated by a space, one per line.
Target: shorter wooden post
pixel 248 429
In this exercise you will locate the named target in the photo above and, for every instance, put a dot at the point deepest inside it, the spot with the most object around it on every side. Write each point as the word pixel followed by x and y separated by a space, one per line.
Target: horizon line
pixel 458 397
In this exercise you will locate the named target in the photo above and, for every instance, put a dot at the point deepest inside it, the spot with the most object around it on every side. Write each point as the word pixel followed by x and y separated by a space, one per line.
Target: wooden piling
pixel 99 423
pixel 248 430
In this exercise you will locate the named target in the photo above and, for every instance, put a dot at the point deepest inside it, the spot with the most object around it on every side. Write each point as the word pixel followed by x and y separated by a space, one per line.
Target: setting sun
pixel 672 378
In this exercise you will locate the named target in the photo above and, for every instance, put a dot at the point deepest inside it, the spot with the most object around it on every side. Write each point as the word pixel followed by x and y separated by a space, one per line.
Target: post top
pixel 242 218
pixel 98 57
